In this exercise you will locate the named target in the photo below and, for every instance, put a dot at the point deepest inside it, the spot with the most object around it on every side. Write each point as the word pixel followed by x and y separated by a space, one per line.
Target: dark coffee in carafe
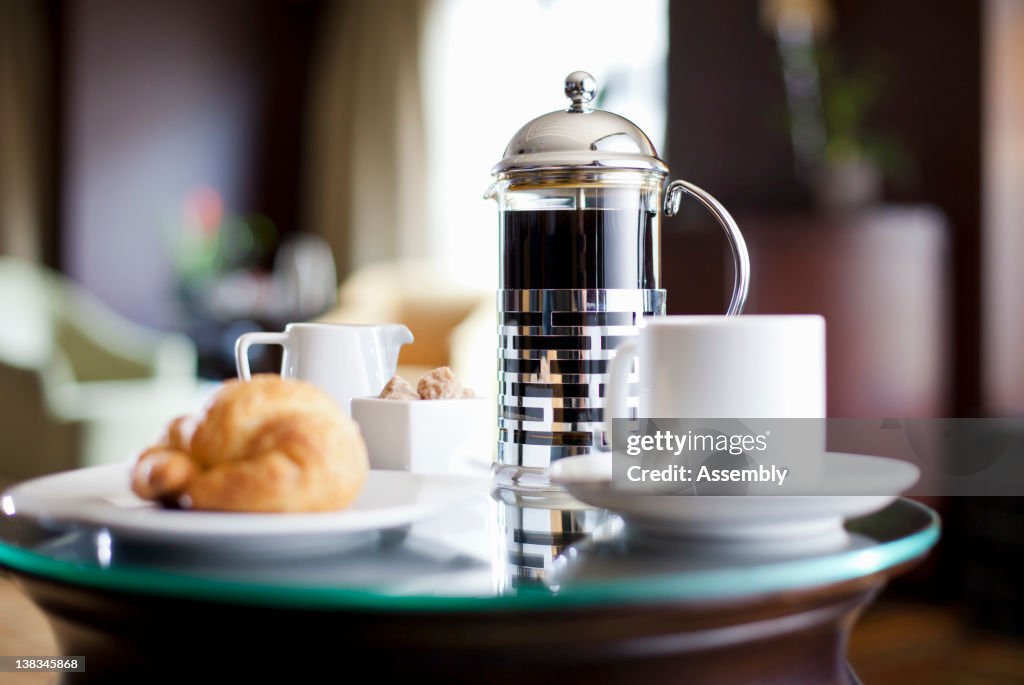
pixel 579 249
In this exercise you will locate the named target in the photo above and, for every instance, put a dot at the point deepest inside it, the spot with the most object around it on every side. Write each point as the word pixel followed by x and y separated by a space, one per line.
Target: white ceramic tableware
pixel 101 496
pixel 346 360
pixel 427 436
pixel 764 366
pixel 874 482
pixel 729 367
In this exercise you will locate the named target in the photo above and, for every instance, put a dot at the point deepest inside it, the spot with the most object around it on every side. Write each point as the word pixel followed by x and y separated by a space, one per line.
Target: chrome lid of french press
pixel 579 139
pixel 582 145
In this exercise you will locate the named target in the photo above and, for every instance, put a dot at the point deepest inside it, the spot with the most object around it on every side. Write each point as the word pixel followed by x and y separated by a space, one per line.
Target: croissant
pixel 266 445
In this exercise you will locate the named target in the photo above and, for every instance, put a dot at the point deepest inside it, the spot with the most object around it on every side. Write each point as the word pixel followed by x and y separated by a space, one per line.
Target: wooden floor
pixel 23 632
pixel 899 643
pixel 895 643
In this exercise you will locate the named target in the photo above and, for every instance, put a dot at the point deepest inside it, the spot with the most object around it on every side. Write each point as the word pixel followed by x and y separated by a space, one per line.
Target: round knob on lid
pixel 580 87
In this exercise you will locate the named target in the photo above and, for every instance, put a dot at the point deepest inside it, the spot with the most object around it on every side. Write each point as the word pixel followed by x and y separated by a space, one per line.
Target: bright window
pixel 489 66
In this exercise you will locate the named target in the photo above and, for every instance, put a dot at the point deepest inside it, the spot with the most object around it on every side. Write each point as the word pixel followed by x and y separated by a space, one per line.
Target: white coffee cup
pixel 346 360
pixel 727 367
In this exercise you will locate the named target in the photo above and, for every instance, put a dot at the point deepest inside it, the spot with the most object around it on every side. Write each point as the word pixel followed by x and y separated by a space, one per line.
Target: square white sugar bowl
pixel 427 436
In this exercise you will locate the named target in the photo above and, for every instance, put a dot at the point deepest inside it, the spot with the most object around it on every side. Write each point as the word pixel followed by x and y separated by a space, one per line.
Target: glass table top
pixel 482 554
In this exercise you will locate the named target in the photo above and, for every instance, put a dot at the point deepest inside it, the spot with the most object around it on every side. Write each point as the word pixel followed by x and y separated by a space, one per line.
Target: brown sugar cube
pixel 398 389
pixel 440 384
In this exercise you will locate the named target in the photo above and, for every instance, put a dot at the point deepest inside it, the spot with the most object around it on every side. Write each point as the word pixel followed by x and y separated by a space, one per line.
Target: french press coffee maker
pixel 580 193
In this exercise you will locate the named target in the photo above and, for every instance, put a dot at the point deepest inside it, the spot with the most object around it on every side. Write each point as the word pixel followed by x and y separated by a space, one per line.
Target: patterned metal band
pixel 535 533
pixel 553 354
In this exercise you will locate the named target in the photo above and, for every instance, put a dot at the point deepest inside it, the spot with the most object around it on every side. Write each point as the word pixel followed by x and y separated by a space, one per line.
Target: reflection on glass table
pixel 544 588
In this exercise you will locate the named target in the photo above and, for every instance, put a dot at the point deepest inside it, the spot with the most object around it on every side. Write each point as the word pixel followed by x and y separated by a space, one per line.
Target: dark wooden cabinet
pixel 881 280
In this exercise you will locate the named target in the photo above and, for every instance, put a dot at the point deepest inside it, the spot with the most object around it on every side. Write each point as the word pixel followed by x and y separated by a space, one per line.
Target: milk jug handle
pixel 247 340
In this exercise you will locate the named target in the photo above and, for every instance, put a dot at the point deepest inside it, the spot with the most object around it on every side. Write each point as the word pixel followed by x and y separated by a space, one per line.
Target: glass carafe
pixel 580 194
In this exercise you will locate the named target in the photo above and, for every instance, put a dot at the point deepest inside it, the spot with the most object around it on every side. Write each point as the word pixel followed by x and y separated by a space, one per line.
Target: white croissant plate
pixel 101 496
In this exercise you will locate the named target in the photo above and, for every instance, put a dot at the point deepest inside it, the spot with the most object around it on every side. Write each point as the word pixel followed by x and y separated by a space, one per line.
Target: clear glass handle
pixel 741 260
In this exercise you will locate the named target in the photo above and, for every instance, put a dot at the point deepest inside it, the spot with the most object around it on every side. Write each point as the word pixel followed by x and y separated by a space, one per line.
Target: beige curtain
pixel 365 170
pixel 24 87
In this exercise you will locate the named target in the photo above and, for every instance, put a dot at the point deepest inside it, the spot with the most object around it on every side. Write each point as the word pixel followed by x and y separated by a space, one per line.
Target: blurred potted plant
pixel 856 160
pixel 834 150
pixel 206 246
pixel 218 259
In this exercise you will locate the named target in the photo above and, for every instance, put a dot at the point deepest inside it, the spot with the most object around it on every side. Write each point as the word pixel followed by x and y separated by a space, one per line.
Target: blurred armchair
pixel 453 325
pixel 79 384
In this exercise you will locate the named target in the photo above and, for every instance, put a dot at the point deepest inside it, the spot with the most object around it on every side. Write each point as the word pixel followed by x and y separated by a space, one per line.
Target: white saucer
pixel 588 478
pixel 100 496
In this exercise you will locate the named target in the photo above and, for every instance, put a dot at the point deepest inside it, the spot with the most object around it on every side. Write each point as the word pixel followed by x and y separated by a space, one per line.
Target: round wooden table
pixel 488 592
